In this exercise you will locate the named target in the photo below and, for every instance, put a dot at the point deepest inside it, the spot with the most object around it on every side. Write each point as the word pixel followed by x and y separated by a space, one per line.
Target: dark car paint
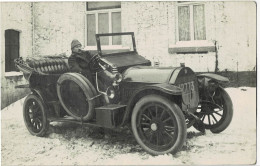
pixel 148 74
pixel 168 80
pixel 124 61
pixel 130 89
pixel 132 94
pixel 187 80
pixel 179 84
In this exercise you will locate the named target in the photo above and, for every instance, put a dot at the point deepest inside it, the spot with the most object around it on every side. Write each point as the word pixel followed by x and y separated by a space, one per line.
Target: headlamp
pixel 110 92
pixel 118 77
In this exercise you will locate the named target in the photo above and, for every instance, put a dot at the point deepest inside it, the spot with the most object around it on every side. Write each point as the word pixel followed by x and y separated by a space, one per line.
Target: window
pixel 11 49
pixel 191 22
pixel 103 17
pixel 190 29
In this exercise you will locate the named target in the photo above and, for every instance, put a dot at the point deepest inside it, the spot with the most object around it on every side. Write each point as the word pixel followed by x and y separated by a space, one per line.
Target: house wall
pixel 231 24
pixel 237 35
pixel 47 28
pixel 16 16
pixel 56 24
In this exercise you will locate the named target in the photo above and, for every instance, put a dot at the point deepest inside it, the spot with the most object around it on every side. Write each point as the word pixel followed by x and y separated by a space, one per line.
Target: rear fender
pixel 38 93
pixel 161 89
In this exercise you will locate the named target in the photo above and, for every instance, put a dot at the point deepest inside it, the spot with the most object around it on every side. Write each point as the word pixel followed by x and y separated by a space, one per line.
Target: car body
pixel 159 103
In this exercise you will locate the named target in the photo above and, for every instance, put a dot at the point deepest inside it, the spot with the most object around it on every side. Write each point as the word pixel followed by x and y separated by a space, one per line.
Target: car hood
pixel 124 61
pixel 148 74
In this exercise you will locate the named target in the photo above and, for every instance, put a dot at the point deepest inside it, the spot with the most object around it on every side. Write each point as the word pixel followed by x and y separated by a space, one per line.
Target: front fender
pixel 160 88
pixel 214 77
pixel 208 83
pixel 167 88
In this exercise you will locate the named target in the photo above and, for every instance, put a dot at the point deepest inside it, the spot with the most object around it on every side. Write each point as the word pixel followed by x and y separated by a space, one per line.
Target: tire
pixel 158 125
pixel 89 83
pixel 220 118
pixel 75 99
pixel 91 86
pixel 35 116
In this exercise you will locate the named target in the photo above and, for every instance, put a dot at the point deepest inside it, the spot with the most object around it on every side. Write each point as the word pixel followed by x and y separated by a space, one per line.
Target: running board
pixel 110 116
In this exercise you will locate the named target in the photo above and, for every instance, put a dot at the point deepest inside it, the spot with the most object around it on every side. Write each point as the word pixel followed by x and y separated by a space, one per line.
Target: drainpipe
pixel 216 62
pixel 237 75
pixel 32 28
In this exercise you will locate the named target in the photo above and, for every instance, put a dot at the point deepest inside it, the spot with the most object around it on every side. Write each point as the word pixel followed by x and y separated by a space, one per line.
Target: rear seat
pixel 49 65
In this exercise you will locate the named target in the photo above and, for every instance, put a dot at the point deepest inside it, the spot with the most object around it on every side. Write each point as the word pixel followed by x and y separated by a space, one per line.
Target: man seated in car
pixel 79 60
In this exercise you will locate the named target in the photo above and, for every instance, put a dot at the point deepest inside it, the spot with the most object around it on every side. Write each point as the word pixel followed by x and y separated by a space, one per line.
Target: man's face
pixel 77 48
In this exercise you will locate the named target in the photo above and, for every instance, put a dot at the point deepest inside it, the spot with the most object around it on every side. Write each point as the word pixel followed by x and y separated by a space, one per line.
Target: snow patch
pixel 68 144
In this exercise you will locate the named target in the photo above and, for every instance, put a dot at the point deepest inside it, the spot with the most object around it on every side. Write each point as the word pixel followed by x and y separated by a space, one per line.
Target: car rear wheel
pixel 34 114
pixel 216 115
pixel 158 125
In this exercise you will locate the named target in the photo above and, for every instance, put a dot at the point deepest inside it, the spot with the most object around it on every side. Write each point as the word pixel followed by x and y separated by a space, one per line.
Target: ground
pixel 68 144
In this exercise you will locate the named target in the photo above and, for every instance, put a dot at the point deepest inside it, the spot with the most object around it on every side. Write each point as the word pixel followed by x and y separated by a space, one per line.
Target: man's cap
pixel 75 43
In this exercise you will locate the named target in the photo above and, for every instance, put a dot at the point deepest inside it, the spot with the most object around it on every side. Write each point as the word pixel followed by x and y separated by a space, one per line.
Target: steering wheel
pixel 93 62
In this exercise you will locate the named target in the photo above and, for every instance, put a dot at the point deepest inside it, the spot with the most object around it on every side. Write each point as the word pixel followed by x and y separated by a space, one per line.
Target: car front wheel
pixel 217 114
pixel 158 125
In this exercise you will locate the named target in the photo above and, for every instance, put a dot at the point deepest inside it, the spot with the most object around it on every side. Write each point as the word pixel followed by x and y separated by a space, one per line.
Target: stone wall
pixel 15 16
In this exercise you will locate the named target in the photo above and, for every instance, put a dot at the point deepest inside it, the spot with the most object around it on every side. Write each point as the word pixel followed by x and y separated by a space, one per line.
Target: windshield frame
pixel 115 34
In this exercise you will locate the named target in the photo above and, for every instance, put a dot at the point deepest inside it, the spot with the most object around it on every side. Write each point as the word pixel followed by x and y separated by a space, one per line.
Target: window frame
pixel 96 12
pixel 102 8
pixel 190 46
pixel 190 5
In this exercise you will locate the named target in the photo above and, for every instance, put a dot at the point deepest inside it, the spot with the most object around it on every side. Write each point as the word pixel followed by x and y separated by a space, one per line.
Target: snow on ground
pixel 69 144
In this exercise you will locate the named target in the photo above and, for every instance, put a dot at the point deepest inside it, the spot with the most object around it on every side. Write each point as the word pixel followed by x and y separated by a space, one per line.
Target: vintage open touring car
pixel 158 103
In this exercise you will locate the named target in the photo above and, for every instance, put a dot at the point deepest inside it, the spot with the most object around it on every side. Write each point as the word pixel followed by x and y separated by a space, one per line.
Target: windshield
pixel 115 43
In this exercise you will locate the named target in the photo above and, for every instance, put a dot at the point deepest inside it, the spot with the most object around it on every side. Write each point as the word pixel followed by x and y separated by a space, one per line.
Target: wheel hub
pixel 154 126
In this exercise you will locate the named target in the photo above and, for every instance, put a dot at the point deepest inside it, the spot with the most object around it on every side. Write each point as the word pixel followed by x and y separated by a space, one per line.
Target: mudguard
pixel 215 77
pixel 166 88
pixel 40 94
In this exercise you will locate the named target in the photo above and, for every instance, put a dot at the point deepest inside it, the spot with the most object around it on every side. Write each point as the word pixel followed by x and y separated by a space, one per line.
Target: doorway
pixel 12 46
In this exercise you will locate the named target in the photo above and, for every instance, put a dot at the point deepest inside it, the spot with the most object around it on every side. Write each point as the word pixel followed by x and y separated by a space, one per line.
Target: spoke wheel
pixel 34 113
pixel 216 116
pixel 158 125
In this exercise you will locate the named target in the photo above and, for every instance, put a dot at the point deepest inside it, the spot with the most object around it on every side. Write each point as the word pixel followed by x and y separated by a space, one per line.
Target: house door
pixel 11 49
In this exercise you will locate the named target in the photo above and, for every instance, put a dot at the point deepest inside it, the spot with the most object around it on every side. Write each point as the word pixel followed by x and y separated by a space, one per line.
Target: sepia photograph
pixel 128 82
